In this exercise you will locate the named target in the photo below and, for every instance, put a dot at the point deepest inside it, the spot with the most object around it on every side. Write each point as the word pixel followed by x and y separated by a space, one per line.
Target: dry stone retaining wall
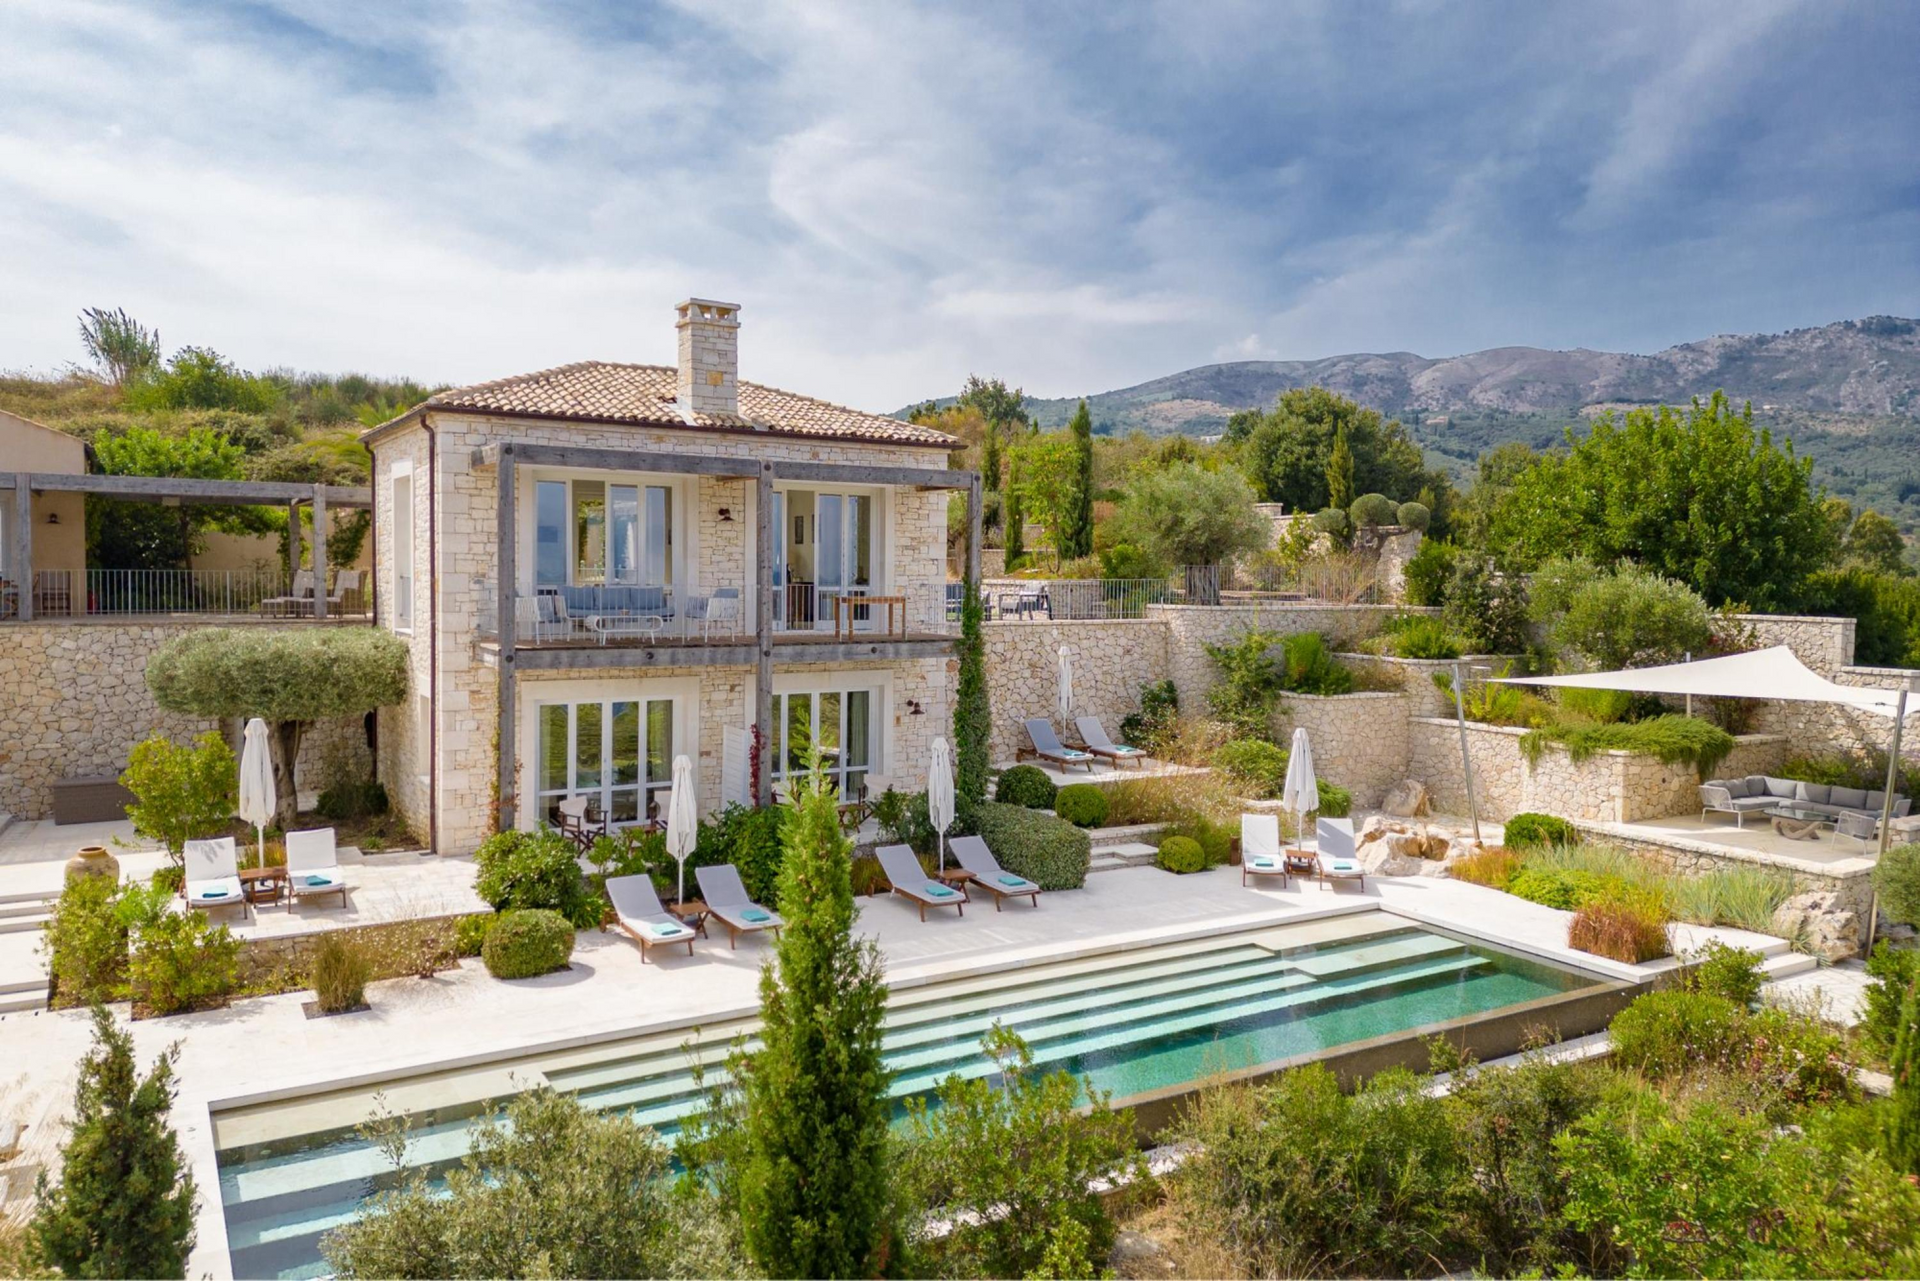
pixel 1191 628
pixel 1111 661
pixel 1359 740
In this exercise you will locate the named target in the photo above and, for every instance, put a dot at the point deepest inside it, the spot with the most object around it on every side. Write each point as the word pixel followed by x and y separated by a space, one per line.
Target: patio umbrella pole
pixel 1886 807
pixel 1466 761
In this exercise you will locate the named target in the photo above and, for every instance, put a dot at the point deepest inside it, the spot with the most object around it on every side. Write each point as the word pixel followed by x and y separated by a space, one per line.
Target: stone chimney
pixel 709 357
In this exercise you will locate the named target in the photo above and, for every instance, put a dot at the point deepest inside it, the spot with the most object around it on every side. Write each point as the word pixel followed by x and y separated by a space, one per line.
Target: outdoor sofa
pixel 1757 793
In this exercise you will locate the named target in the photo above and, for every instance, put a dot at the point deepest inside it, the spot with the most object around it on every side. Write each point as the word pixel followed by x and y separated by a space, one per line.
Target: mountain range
pixel 1848 393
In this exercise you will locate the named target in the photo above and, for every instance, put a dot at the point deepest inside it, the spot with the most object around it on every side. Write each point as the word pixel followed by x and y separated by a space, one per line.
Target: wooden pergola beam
pixel 217 493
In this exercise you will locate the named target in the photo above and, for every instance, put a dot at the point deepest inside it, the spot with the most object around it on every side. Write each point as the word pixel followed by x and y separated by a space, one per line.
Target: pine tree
pixel 972 710
pixel 814 1191
pixel 1903 1110
pixel 1340 473
pixel 1076 534
pixel 124 1204
pixel 1015 516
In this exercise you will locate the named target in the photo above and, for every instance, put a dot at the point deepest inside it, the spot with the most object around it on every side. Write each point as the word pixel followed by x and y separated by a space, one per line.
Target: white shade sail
pixel 683 822
pixel 1066 686
pixel 1762 673
pixel 940 793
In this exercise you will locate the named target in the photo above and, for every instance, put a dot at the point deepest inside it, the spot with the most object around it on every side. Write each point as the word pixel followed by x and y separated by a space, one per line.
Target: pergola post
pixel 319 551
pixel 23 543
pixel 293 542
pixel 763 633
pixel 506 628
pixel 974 520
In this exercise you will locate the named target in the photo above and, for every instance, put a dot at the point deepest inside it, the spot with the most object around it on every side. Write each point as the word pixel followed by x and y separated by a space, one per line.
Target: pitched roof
pixel 645 395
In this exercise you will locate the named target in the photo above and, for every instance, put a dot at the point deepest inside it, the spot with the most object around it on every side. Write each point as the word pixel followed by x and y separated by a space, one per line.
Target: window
pixel 618 752
pixel 403 550
pixel 842 724
pixel 588 532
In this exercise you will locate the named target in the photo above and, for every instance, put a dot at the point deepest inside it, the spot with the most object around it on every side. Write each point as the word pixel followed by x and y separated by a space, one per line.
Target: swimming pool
pixel 1130 1022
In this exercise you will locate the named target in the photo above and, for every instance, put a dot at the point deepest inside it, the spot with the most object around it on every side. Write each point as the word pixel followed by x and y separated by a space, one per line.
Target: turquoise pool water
pixel 1128 1022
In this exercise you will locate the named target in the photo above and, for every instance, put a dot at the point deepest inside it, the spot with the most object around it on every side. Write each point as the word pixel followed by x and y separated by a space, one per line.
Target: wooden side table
pixel 843 607
pixel 692 914
pixel 959 878
pixel 263 884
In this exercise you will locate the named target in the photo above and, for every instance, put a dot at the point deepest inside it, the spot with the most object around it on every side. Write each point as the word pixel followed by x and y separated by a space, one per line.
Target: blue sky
pixel 1075 197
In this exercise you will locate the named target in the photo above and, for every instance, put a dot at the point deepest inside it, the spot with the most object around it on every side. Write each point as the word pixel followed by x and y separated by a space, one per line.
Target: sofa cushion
pixel 1736 788
pixel 1757 785
pixel 1784 788
pixel 1901 804
pixel 1813 793
pixel 1851 798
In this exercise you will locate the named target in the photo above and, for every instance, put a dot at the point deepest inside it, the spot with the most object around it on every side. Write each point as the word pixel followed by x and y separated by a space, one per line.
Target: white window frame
pixel 682 693
pixel 682 523
pixel 878 685
pixel 401 490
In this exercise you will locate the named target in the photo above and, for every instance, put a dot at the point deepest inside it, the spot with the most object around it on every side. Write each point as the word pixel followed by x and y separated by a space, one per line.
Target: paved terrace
pixel 267 1047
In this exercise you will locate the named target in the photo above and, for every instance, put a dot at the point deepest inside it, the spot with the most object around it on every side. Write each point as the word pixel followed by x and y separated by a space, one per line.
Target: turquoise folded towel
pixel 754 914
pixel 1012 880
pixel 662 930
pixel 213 893
pixel 319 880
pixel 940 891
pixel 1265 862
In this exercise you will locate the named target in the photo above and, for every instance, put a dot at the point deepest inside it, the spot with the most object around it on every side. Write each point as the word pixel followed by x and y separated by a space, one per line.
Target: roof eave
pixel 666 424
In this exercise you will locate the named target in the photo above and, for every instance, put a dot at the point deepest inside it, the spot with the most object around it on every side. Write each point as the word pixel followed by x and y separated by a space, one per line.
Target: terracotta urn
pixel 92 860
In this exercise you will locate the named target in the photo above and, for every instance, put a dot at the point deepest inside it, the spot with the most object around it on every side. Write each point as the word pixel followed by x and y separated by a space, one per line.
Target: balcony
pixel 128 594
pixel 668 626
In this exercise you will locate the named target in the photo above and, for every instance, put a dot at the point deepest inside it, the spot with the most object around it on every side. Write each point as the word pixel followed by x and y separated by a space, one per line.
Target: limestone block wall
pixel 1359 740
pixel 1415 676
pixel 404 765
pixel 74 701
pixel 1111 661
pixel 1824 644
pixel 1190 628
pixel 1851 885
pixel 1615 787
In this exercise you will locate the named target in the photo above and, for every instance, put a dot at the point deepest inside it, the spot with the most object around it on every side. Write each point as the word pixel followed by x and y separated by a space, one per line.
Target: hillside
pixel 1848 393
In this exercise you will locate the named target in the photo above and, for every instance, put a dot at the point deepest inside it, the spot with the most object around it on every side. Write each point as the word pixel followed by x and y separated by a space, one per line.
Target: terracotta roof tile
pixel 600 391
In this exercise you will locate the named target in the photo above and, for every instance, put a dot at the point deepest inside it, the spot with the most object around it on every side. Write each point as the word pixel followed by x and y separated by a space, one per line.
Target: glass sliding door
pixel 550 533
pixel 590 532
pixel 839 724
pixel 844 552
pixel 616 752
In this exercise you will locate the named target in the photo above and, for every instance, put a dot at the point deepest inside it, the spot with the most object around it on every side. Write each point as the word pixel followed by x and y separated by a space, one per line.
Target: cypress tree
pixel 1340 472
pixel 1015 516
pixel 972 710
pixel 990 459
pixel 814 1190
pixel 124 1204
pixel 1903 1110
pixel 1076 534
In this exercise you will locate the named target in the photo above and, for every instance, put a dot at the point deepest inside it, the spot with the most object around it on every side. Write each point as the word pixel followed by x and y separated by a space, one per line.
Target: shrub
pixel 749 838
pixel 87 937
pixel 1743 897
pixel 1493 865
pixel 1626 617
pixel 1897 877
pixel 1893 972
pixel 1601 705
pixel 1902 1126
pixel 1250 677
pixel 1495 704
pixel 470 932
pixel 1025 785
pixel 1866 770
pixel 1420 636
pixel 535 870
pixel 1150 728
pixel 1011 1167
pixel 1307 666
pixel 1731 973
pixel 527 941
pixel 181 960
pixel 1671 739
pixel 1429 573
pixel 1668 1033
pixel 867 876
pixel 1786 1055
pixel 1253 763
pixel 1567 889
pixel 1215 839
pixel 1081 804
pixel 1034 844
pixel 340 973
pixel 1413 516
pixel 1630 928
pixel 1332 522
pixel 1525 831
pixel 123 1206
pixel 352 800
pixel 1181 854
pixel 1335 801
pixel 181 793
pixel 1487 602
pixel 1372 509
pixel 906 819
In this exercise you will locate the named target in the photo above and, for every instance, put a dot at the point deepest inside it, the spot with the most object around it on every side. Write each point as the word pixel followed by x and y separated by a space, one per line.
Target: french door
pixel 840 723
pixel 829 551
pixel 616 752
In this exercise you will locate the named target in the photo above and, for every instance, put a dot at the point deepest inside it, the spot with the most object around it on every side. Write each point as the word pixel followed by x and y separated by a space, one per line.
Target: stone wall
pixel 1616 787
pixel 1359 740
pixel 1415 676
pixel 1851 885
pixel 74 701
pixel 1191 628
pixel 1111 661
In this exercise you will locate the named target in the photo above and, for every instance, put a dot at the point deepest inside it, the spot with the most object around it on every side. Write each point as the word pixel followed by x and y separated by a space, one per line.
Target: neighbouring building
pixel 601 567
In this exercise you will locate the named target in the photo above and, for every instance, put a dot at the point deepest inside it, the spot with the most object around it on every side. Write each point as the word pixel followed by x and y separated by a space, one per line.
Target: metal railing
pixel 1074 599
pixel 106 593
pixel 613 613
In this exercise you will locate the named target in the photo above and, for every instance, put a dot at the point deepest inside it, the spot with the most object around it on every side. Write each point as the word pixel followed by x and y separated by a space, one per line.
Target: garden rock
pixel 1137 1255
pixel 1832 931
pixel 1407 799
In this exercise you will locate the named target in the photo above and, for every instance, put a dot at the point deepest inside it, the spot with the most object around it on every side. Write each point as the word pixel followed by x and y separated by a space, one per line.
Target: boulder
pixel 1136 1256
pixel 1394 854
pixel 1831 932
pixel 1373 827
pixel 1407 799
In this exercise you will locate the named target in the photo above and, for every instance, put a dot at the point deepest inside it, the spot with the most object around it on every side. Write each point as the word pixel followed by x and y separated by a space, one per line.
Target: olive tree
pixel 1186 514
pixel 288 677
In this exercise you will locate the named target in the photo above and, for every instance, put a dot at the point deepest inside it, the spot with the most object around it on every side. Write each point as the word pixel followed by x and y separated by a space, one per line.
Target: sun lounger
pixel 1260 853
pixel 313 864
pixel 910 881
pixel 213 875
pixel 972 854
pixel 1333 858
pixel 1047 746
pixel 1094 735
pixel 637 909
pixel 727 899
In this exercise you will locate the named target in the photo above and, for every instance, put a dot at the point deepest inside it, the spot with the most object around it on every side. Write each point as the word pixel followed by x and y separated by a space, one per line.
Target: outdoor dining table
pixel 843 607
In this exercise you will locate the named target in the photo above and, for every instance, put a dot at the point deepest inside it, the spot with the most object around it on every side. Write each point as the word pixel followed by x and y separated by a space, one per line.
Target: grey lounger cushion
pixel 972 853
pixel 638 907
pixel 726 897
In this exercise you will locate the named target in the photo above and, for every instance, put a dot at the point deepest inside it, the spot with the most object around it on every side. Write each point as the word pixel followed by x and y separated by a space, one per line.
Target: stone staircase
pixel 23 963
pixel 1117 853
